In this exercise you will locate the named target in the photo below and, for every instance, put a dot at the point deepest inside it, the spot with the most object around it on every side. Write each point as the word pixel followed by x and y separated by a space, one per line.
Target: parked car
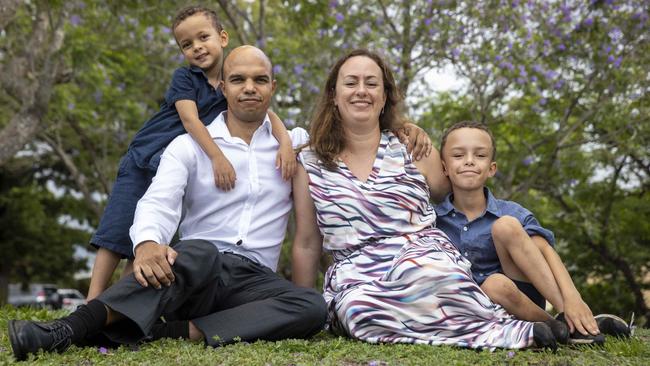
pixel 35 294
pixel 71 298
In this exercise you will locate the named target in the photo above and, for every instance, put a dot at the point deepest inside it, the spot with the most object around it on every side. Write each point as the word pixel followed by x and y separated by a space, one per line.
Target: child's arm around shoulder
pixel 286 158
pixel 224 173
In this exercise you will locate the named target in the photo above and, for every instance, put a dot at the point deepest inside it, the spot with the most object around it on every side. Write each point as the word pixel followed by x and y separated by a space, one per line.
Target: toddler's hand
pixel 224 174
pixel 286 159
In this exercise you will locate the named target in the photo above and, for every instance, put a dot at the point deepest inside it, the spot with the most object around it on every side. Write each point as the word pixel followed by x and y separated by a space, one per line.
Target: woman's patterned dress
pixel 395 277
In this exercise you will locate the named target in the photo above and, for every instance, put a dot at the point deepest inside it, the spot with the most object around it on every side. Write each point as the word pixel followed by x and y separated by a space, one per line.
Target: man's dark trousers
pixel 229 298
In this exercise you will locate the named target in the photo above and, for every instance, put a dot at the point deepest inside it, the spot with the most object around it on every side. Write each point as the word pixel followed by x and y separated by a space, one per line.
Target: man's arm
pixel 307 242
pixel 224 173
pixel 576 311
pixel 158 214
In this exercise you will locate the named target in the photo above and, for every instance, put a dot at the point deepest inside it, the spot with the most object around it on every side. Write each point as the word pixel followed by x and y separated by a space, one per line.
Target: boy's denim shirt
pixel 474 239
pixel 188 83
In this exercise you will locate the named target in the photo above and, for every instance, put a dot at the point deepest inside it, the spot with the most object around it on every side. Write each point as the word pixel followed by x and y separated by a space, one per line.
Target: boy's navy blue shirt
pixel 474 239
pixel 187 84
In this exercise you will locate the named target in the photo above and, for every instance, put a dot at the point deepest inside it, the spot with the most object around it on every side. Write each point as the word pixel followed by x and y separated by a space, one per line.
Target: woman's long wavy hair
pixel 326 136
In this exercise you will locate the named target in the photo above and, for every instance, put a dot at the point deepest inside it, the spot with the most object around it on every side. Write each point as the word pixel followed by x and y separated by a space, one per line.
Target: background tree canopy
pixel 563 85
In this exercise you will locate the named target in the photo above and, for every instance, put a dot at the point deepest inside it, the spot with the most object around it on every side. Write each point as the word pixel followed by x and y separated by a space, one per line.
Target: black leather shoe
pixel 28 337
pixel 560 330
pixel 543 336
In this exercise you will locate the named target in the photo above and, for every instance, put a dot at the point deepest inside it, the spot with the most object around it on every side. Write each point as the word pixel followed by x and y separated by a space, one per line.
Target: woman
pixel 395 277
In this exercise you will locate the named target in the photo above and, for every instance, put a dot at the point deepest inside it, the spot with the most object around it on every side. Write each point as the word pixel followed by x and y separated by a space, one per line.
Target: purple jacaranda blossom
pixel 98 95
pixel 558 84
pixel 75 20
pixel 103 350
pixel 522 71
pixel 538 68
pixel 561 47
pixel 339 17
pixel 121 86
pixel 455 52
pixel 588 22
pixel 289 122
pixel 528 160
pixel 277 69
pixel 615 35
pixel 506 65
pixel 617 62
pixel 107 81
pixel 510 354
pixel 81 5
pixel 314 89
pixel 148 33
pixel 610 58
pixel 509 45
pixel 498 58
pixel 71 106
pixel 322 33
pixel 299 69
pixel 165 30
pixel 515 3
pixel 427 21
pixel 542 101
pixel 550 75
pixel 333 4
pixel 121 18
pixel 340 30
pixel 261 43
pixel 533 78
pixel 521 81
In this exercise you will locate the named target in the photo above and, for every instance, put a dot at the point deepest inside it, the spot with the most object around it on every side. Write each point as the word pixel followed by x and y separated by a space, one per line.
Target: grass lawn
pixel 324 349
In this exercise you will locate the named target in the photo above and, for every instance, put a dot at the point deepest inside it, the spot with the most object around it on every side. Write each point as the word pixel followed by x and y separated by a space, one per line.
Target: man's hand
pixel 416 139
pixel 152 264
pixel 579 317
pixel 224 174
pixel 286 159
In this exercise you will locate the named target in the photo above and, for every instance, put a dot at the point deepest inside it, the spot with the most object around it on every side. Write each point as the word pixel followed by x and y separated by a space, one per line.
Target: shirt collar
pixel 492 206
pixel 447 206
pixel 218 128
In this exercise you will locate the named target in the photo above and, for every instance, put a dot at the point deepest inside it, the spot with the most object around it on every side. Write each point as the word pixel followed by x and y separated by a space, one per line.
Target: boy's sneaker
pixel 29 337
pixel 612 325
pixel 577 338
pixel 560 330
pixel 543 336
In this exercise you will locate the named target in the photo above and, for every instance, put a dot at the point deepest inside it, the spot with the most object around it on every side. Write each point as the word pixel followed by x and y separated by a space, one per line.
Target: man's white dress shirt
pixel 249 220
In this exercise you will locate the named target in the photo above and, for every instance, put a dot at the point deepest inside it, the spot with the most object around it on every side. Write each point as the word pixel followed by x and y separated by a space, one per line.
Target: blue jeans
pixel 130 185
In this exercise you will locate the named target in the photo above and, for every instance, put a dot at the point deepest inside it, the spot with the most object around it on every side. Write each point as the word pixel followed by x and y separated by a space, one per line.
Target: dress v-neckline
pixel 376 165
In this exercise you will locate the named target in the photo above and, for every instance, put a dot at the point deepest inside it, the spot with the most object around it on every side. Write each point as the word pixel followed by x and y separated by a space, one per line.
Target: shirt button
pixel 453 214
pixel 464 228
pixel 239 242
pixel 466 254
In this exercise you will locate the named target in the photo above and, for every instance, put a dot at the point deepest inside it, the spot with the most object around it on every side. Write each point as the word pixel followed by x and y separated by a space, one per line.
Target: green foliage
pixel 324 349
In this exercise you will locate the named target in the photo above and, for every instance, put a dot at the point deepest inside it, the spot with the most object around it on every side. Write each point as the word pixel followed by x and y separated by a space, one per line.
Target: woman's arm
pixel 307 242
pixel 431 167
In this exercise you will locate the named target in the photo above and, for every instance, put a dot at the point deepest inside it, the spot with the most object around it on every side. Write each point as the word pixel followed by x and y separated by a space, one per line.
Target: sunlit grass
pixel 324 349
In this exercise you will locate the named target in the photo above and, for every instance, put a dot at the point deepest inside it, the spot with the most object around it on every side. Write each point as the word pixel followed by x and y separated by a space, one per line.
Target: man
pixel 217 284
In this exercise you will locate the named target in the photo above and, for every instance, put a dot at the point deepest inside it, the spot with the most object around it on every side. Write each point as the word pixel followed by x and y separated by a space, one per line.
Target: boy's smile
pixel 467 158
pixel 201 44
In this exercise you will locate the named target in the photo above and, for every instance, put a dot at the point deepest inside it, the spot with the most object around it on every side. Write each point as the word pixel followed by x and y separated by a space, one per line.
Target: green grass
pixel 324 349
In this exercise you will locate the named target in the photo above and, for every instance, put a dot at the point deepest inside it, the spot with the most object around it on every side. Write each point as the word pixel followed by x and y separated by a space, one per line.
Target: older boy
pixel 511 253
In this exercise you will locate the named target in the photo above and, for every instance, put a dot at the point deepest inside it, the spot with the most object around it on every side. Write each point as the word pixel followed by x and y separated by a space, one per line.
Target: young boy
pixel 511 253
pixel 192 101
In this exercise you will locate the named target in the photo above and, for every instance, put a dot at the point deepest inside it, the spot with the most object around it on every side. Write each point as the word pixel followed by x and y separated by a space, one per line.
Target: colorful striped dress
pixel 395 277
